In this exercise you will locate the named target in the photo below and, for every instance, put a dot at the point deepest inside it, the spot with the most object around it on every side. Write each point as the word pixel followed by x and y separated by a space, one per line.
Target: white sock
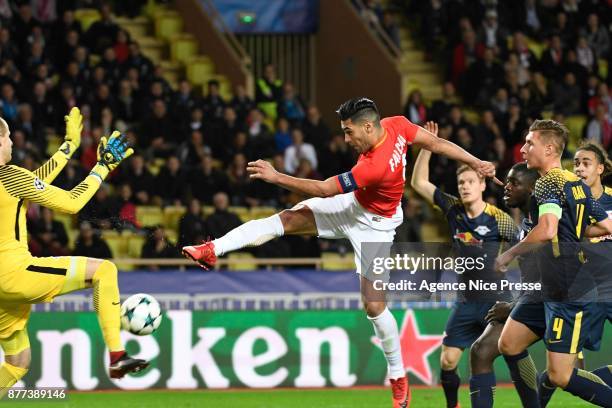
pixel 252 233
pixel 385 328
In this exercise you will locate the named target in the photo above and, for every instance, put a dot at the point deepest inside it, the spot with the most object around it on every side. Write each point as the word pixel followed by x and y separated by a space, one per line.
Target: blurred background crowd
pixel 505 64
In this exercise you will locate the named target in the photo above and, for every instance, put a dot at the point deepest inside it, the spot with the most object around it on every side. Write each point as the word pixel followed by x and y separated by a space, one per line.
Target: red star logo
pixel 416 348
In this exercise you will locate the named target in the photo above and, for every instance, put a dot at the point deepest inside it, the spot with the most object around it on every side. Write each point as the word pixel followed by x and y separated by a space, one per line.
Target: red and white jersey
pixel 379 176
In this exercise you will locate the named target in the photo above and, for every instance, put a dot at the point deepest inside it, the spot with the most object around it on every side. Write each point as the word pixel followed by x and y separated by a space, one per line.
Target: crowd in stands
pixel 511 63
pixel 191 145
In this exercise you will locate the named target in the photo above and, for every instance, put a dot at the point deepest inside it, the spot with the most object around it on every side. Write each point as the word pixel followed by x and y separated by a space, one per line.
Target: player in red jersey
pixel 362 205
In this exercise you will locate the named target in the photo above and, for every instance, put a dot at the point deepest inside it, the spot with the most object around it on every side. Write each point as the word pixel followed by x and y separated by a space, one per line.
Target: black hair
pixel 359 109
pixel 530 175
pixel 600 154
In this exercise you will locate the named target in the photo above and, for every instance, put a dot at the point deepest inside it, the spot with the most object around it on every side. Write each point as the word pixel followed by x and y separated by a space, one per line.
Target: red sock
pixel 116 355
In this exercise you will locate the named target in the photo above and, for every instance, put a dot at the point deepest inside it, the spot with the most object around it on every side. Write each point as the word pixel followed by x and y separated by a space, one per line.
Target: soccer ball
pixel 140 314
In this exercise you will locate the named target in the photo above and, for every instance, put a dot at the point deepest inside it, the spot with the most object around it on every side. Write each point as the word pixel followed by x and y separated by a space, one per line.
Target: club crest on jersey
pixel 482 230
pixel 39 184
pixel 398 157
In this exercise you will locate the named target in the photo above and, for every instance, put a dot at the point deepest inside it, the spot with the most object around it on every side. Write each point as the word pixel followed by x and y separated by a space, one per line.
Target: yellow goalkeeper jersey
pixel 19 186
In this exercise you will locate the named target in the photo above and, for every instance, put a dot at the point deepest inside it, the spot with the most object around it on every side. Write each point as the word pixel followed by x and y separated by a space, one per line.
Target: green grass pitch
pixel 299 398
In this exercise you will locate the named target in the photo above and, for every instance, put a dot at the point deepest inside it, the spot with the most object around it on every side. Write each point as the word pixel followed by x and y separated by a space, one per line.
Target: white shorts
pixel 341 216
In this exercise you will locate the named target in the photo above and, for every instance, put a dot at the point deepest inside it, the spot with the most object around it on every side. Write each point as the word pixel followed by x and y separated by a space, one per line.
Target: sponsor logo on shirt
pixel 482 230
pixel 467 238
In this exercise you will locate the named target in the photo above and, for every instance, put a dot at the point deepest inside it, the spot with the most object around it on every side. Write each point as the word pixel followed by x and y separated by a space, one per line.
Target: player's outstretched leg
pixel 581 383
pixel 513 343
pixel 387 332
pixel 605 373
pixel 448 374
pixel 483 353
pixel 103 278
pixel 298 220
pixel 17 357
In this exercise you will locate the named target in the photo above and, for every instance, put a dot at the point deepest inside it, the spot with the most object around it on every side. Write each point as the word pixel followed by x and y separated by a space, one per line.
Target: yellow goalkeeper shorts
pixel 35 280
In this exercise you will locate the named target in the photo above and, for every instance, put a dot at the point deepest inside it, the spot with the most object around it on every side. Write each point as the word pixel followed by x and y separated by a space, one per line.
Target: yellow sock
pixel 9 375
pixel 107 304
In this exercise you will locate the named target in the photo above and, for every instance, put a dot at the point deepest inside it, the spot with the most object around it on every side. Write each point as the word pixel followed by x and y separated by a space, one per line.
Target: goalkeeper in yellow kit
pixel 25 279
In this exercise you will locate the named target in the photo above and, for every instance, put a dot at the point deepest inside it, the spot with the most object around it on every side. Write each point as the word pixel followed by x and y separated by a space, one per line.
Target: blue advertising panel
pixel 269 16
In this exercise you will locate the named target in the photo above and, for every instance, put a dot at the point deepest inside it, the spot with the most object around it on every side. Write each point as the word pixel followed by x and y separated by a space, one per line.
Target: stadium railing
pixel 317 263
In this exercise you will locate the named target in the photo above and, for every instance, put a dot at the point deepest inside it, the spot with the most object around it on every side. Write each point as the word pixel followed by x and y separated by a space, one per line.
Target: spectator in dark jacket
pixel 89 244
pixel 241 103
pixel 205 180
pixel 158 246
pixel 221 221
pixel 102 33
pixel 316 131
pixel 567 95
pixel 192 226
pixel 139 178
pixel 171 183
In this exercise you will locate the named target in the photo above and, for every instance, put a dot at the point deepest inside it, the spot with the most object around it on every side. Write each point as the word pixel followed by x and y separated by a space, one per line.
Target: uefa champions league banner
pixel 255 349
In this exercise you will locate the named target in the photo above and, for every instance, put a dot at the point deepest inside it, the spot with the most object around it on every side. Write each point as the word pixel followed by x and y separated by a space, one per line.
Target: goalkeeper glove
pixel 74 126
pixel 111 152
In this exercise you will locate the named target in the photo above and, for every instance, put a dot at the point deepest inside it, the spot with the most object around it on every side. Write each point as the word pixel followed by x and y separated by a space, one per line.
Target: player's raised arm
pixel 23 184
pixel 420 174
pixel 427 140
pixel 56 163
pixel 263 170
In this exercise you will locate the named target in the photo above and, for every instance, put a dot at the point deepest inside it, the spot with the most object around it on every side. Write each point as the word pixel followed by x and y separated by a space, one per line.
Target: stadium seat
pixel 536 47
pixel 66 219
pixel 225 87
pixel 171 236
pixel 575 125
pixel 152 8
pixel 167 24
pixel 53 143
pixel 207 210
pixel 72 237
pixel 183 47
pixel 116 243
pixel 199 70
pixel 336 262
pixel 134 245
pixel 603 68
pixel 246 261
pixel 431 233
pixel 149 215
pixel 152 48
pixel 172 216
pixel 242 212
pixel 263 212
pixel 136 27
pixel 86 17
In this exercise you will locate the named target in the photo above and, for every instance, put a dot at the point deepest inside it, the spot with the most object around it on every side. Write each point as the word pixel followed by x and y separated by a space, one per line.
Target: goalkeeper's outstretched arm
pixel 53 167
pixel 23 184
